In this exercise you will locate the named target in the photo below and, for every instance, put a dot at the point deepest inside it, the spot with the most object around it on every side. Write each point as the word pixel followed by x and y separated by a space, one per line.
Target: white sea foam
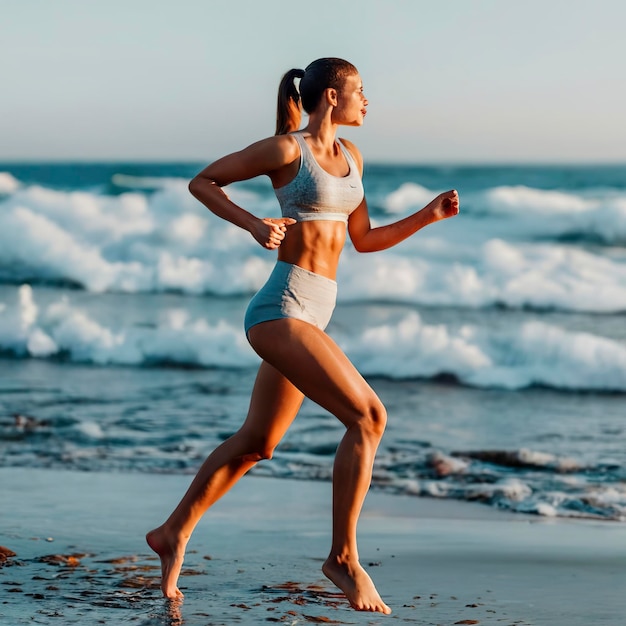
pixel 519 212
pixel 408 196
pixel 64 330
pixel 8 184
pixel 556 214
pixel 138 242
pixel 126 243
pixel 506 479
pixel 524 494
pixel 546 510
pixel 532 353
pixel 495 272
pixel 91 430
pixel 512 489
pixel 514 199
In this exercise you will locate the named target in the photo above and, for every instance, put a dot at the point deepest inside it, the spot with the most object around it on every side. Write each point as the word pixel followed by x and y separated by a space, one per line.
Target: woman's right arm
pixel 263 157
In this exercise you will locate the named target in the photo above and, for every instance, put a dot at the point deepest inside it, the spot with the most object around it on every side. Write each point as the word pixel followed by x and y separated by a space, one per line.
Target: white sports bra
pixel 314 194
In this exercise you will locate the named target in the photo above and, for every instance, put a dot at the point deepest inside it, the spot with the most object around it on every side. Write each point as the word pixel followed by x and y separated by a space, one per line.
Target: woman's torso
pixel 320 195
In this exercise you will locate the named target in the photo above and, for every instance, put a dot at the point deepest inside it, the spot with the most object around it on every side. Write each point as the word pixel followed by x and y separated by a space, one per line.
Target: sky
pixel 448 81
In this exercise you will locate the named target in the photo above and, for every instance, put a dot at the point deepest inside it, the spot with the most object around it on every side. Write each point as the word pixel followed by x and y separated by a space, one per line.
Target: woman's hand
pixel 444 205
pixel 270 232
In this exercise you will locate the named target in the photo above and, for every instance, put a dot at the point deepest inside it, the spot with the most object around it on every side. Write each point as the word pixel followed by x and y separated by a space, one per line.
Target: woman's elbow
pixel 199 183
pixel 360 245
pixel 193 186
pixel 370 243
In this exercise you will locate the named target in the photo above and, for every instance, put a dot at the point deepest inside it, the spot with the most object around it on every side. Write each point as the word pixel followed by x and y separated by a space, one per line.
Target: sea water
pixel 497 339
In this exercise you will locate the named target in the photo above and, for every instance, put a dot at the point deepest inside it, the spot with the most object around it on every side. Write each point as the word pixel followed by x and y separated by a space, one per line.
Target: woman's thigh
pixel 316 365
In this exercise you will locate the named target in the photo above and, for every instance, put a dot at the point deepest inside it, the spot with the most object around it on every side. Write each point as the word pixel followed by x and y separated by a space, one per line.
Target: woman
pixel 317 180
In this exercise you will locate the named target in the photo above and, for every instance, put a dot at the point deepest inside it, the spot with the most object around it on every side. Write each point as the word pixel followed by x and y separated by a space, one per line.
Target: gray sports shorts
pixel 292 291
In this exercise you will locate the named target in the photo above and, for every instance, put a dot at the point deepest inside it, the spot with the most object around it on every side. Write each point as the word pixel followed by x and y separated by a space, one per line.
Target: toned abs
pixel 315 246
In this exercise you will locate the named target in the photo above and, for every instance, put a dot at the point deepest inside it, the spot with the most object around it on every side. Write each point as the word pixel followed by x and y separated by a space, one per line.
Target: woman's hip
pixel 293 292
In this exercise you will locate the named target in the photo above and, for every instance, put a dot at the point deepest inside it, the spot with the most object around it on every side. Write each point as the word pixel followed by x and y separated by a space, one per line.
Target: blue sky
pixel 448 81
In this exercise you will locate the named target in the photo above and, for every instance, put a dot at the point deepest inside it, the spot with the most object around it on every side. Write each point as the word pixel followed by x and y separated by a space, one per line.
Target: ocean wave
pixel 530 354
pixel 599 502
pixel 518 212
pixel 523 458
pixel 522 480
pixel 598 218
pixel 164 241
pixel 537 483
pixel 8 184
pixel 128 243
pixel 533 353
pixel 496 273
pixel 64 331
pixel 406 197
pixel 127 181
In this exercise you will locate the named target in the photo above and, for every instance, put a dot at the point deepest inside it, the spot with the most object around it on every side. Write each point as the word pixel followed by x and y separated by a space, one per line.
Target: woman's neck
pixel 323 133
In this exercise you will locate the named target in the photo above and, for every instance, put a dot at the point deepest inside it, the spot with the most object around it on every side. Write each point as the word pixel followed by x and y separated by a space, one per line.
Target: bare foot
pixel 355 582
pixel 172 556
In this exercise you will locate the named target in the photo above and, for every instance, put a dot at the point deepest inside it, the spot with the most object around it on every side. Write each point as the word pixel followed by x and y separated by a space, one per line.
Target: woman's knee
pixel 373 417
pixel 256 447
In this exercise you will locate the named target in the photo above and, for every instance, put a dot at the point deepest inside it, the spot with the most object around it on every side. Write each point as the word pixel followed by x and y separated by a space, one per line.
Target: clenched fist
pixel 270 232
pixel 445 205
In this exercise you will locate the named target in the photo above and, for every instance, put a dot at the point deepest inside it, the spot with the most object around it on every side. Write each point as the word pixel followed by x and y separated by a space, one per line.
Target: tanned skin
pixel 299 359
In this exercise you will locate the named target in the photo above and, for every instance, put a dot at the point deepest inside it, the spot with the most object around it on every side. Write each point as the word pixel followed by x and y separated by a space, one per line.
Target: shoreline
pixel 256 557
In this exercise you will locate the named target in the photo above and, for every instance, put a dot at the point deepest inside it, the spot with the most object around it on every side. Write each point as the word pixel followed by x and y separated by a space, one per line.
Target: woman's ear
pixel 331 96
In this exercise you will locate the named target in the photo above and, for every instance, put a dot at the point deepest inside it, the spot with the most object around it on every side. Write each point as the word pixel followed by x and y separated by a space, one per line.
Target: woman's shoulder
pixel 279 149
pixel 270 153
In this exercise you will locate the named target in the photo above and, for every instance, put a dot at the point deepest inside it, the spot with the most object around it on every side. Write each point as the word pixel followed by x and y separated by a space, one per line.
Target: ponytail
pixel 289 111
pixel 318 76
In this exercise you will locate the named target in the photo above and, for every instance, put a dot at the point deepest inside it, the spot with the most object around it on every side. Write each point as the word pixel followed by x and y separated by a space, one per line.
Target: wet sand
pixel 75 554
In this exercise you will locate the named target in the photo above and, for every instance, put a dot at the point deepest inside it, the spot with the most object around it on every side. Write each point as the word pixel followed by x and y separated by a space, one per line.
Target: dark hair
pixel 314 80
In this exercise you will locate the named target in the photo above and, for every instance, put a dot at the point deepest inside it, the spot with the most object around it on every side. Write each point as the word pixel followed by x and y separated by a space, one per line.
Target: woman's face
pixel 351 102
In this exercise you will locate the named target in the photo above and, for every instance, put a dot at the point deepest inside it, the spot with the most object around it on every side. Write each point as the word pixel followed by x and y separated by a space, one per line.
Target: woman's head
pixel 322 74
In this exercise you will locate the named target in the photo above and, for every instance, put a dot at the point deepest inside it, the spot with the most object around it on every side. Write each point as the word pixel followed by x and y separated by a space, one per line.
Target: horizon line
pixel 367 163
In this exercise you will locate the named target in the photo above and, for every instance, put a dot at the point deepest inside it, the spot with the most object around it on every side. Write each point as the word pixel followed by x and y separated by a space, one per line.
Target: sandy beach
pixel 79 557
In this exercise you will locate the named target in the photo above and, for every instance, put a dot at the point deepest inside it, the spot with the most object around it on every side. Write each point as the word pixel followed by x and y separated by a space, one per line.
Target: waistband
pixel 290 268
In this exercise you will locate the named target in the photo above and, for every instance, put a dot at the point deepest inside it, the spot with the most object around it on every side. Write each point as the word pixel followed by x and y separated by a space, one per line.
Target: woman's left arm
pixel 368 239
